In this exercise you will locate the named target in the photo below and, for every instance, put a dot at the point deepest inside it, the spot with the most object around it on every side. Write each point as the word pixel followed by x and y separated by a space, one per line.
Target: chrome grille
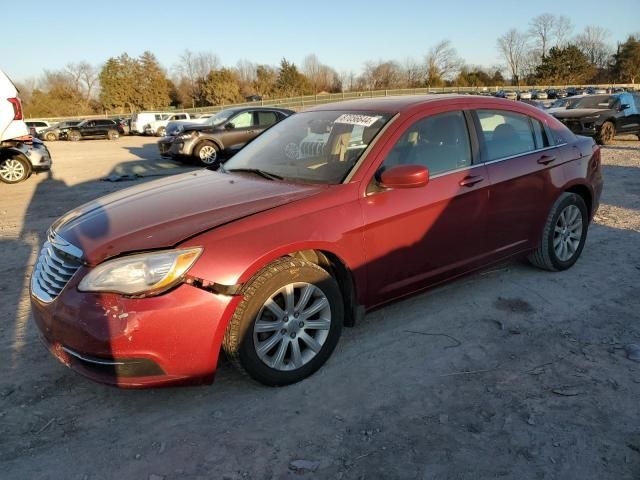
pixel 57 263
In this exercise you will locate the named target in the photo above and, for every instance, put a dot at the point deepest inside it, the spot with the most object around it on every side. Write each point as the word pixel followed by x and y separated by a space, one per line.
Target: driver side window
pixel 439 142
pixel 242 120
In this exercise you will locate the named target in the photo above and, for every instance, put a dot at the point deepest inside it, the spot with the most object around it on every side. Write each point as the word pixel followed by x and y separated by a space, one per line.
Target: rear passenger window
pixel 540 134
pixel 505 134
pixel 439 142
pixel 266 118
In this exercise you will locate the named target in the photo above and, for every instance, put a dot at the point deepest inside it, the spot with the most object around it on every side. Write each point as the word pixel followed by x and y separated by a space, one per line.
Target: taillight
pixel 17 108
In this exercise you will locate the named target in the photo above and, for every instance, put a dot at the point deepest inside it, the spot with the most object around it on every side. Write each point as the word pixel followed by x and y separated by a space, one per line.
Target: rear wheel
pixel 74 135
pixel 287 324
pixel 14 170
pixel 113 135
pixel 207 153
pixel 50 137
pixel 606 134
pixel 564 234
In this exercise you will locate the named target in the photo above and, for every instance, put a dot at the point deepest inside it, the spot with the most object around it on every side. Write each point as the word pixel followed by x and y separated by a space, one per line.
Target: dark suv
pixel 603 116
pixel 221 136
pixel 100 128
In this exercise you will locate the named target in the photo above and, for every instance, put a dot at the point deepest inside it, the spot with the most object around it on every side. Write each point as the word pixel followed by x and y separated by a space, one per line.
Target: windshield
pixel 595 101
pixel 316 147
pixel 219 118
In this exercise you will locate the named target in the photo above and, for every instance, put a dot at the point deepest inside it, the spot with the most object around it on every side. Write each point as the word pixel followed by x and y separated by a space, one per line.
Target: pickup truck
pixel 20 154
pixel 158 127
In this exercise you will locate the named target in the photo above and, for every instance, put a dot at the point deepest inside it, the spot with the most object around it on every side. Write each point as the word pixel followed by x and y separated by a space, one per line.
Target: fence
pixel 300 103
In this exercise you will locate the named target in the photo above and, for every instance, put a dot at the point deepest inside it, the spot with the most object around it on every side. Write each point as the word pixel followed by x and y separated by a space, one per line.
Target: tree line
pixel 547 53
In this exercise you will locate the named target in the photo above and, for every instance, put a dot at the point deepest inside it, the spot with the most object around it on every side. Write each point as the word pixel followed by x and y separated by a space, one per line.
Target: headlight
pixel 187 136
pixel 146 273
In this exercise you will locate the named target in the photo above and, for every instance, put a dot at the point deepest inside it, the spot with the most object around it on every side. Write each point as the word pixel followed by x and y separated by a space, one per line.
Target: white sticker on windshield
pixel 354 119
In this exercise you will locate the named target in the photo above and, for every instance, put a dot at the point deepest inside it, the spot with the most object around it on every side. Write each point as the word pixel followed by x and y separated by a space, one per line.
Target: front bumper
pixel 170 339
pixel 580 127
pixel 40 158
pixel 175 147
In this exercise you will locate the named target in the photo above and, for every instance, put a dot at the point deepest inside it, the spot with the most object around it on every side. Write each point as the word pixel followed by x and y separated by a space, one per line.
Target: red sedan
pixel 328 214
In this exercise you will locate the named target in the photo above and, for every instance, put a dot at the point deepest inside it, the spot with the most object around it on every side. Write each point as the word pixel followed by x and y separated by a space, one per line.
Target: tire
pixel 207 153
pixel 278 334
pixel 161 132
pixel 74 136
pixel 113 135
pixel 606 133
pixel 14 170
pixel 550 254
pixel 51 137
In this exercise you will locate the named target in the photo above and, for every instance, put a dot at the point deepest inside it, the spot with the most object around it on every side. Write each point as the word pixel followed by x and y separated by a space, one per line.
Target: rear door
pixel 521 165
pixel 415 237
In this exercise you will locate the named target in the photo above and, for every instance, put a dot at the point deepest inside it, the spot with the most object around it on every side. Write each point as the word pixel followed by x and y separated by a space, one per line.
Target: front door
pixel 416 237
pixel 241 131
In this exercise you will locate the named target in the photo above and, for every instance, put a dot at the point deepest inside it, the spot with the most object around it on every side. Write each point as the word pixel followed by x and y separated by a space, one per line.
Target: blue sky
pixel 342 34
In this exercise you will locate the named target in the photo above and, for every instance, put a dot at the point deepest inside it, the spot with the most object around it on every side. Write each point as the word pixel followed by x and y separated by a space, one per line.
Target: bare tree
pixel 562 31
pixel 413 73
pixel 542 28
pixel 593 43
pixel 246 76
pixel 513 47
pixel 195 67
pixel 312 68
pixel 442 63
pixel 84 77
pixel 381 75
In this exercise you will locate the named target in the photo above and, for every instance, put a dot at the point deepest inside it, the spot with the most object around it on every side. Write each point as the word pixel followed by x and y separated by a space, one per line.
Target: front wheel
pixel 287 324
pixel 50 137
pixel 161 132
pixel 564 234
pixel 74 136
pixel 206 153
pixel 606 134
pixel 113 135
pixel 14 170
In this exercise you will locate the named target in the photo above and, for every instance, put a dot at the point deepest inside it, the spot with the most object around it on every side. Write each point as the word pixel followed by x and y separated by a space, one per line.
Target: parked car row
pixel 20 154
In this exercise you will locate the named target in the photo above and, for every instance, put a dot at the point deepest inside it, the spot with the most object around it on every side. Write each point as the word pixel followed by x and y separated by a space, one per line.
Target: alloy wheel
pixel 208 154
pixel 567 233
pixel 12 170
pixel 292 326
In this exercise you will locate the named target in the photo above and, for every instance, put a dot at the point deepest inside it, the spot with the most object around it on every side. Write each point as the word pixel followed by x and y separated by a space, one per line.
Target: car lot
pixel 512 372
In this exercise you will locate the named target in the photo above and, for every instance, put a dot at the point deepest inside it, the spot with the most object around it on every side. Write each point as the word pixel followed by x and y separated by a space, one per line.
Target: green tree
pixel 221 86
pixel 265 81
pixel 290 81
pixel 118 84
pixel 626 62
pixel 152 86
pixel 565 65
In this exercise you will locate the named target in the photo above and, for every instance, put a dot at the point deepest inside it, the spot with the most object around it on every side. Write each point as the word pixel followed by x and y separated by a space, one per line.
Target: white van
pixel 37 125
pixel 11 118
pixel 140 120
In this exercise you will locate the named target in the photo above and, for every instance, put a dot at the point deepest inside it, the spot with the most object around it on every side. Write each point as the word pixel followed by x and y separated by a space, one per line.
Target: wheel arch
pixel 585 192
pixel 325 258
pixel 213 140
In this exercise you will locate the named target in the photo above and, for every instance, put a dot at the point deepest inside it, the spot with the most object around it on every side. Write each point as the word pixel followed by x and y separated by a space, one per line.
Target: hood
pixel 579 112
pixel 162 213
pixel 176 125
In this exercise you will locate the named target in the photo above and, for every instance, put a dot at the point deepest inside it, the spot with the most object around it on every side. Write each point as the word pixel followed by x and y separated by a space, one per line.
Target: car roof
pixel 400 104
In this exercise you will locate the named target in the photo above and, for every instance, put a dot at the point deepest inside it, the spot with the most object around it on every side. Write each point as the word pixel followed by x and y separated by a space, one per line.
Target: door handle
pixel 470 181
pixel 546 159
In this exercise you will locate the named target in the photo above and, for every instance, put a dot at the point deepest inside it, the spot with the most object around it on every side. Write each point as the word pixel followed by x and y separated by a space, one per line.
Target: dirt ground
pixel 511 373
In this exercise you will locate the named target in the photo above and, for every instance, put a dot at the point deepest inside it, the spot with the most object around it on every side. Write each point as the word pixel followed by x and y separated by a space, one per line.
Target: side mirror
pixel 624 106
pixel 405 176
pixel 229 126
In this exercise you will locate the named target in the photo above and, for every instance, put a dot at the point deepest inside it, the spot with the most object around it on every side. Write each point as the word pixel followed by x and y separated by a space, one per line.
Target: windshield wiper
pixel 257 171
